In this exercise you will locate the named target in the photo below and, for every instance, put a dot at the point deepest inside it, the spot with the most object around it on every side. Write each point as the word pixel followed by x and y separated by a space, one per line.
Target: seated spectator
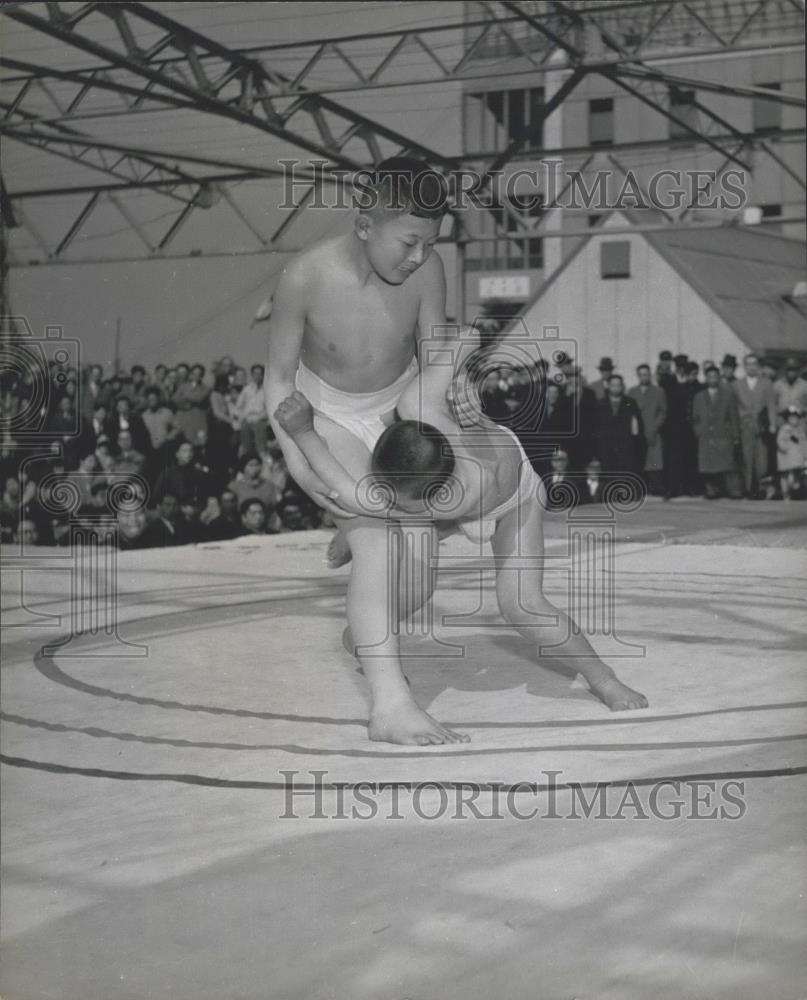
pixel 276 469
pixel 8 527
pixel 561 491
pixel 167 527
pixel 158 420
pixel 63 428
pixel 89 471
pixel 228 523
pixel 27 533
pixel 591 491
pixel 10 501
pixel 128 460
pixel 192 529
pixel 138 388
pixel 252 481
pixel 110 391
pixel 124 420
pixel 295 513
pixel 132 526
pixel 183 480
pixel 97 426
pixel 52 521
pixel 791 453
pixel 253 518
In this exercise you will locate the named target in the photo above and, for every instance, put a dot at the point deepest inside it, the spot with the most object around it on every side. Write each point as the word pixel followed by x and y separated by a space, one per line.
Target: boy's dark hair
pixel 403 185
pixel 248 456
pixel 414 458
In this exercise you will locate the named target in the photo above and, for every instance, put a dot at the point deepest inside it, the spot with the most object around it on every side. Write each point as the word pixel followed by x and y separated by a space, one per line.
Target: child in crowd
pixel 791 452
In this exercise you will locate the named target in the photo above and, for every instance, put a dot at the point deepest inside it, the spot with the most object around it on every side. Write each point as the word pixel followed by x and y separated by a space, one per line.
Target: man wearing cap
pixel 756 404
pixel 606 369
pixel 790 390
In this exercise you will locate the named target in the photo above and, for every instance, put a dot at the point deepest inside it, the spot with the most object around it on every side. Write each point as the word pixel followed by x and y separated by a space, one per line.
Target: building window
pixel 682 105
pixel 767 114
pixel 511 251
pixel 601 121
pixel 497 118
pixel 615 259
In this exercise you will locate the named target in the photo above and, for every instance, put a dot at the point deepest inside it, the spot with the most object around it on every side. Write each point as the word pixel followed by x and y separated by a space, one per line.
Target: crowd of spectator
pixel 681 429
pixel 195 448
pixel 199 447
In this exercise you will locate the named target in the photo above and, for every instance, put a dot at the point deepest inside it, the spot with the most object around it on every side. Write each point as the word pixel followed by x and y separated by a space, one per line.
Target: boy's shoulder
pixel 314 261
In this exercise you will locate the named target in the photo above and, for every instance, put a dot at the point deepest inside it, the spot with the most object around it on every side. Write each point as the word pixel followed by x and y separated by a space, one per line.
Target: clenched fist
pixel 295 414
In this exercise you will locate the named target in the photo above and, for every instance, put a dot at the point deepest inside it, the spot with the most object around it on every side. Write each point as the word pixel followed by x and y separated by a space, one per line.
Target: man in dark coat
pixel 606 370
pixel 692 388
pixel 717 429
pixel 677 429
pixel 583 404
pixel 619 431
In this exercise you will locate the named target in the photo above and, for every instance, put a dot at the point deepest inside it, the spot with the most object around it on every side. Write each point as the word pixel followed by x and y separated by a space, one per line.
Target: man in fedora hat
pixel 677 438
pixel 728 366
pixel 606 370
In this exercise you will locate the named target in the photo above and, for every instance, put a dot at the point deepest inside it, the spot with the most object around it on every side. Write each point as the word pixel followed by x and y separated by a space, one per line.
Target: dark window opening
pixel 767 115
pixel 682 106
pixel 615 259
pixel 601 121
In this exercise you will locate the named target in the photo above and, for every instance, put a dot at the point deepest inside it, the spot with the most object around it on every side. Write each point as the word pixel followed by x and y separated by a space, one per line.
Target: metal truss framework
pixel 156 63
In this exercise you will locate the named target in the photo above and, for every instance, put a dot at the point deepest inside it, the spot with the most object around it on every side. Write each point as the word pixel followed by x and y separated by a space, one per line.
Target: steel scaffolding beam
pixel 154 63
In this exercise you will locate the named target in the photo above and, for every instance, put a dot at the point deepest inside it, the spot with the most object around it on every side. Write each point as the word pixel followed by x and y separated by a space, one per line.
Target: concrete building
pixel 625 135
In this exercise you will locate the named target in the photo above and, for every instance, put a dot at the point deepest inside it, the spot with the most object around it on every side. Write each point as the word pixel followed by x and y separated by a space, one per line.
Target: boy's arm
pixel 296 416
pixel 286 326
pixel 433 330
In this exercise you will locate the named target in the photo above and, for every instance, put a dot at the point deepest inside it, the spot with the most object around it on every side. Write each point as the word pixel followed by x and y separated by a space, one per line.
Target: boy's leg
pixel 519 535
pixel 373 618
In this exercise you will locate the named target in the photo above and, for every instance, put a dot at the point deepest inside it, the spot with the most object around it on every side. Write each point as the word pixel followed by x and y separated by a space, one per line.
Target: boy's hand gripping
pixel 295 414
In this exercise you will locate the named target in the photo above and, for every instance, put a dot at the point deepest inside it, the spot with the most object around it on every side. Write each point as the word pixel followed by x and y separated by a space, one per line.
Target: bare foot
pixel 411 726
pixel 338 551
pixel 618 696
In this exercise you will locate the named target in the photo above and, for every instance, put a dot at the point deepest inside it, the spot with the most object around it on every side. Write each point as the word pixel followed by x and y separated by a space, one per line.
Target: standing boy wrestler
pixel 347 317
